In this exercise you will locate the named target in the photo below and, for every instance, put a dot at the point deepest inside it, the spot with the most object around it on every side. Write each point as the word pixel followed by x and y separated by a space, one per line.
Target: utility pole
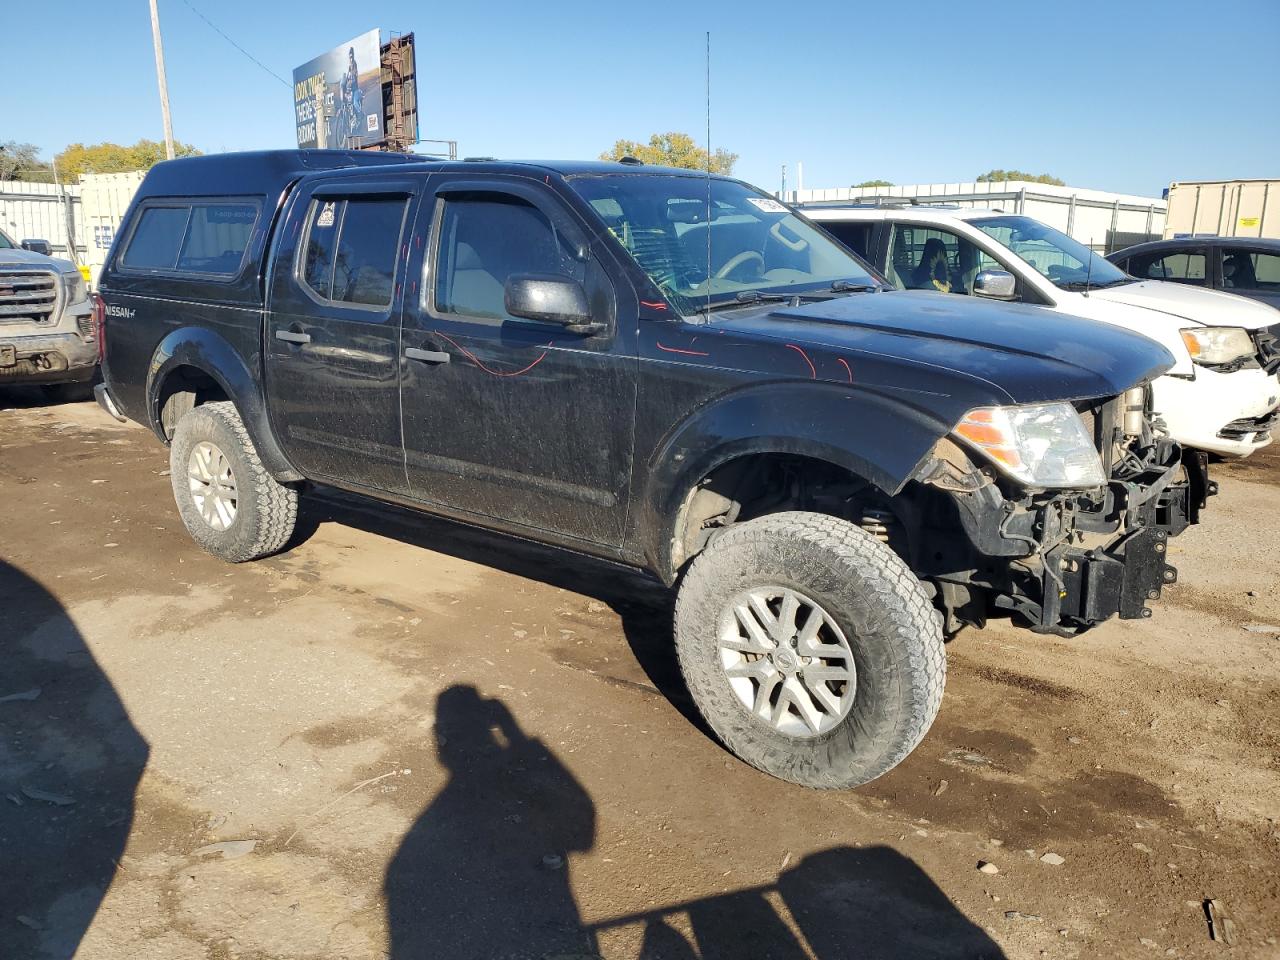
pixel 68 215
pixel 164 84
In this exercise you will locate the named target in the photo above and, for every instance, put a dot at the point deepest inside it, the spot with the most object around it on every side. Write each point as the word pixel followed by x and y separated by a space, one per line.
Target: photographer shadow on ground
pixel 485 872
pixel 70 762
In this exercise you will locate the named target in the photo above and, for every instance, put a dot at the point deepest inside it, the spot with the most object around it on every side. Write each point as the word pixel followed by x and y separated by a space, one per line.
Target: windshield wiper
pixel 1089 285
pixel 852 286
pixel 757 296
pixel 747 297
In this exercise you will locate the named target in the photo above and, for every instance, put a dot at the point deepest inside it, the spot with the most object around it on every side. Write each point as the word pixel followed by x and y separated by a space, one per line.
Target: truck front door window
pixel 482 243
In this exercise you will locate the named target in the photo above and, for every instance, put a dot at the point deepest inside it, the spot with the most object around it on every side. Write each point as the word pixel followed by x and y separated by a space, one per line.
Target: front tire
pixel 228 501
pixel 810 648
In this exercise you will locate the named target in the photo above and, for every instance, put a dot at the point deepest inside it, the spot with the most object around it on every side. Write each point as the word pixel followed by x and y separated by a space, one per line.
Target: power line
pixel 220 33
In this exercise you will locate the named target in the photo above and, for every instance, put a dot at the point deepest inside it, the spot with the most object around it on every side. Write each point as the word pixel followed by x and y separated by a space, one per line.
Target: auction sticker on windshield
pixel 767 205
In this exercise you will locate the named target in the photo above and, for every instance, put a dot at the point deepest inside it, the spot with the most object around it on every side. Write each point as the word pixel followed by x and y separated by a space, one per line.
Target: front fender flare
pixel 210 353
pixel 879 435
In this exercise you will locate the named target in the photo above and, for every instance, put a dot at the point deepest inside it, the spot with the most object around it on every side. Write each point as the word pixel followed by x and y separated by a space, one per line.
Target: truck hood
pixel 1019 354
pixel 29 258
pixel 1212 308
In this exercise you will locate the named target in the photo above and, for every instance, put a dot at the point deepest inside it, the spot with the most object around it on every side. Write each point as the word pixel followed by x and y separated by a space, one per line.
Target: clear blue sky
pixel 1122 95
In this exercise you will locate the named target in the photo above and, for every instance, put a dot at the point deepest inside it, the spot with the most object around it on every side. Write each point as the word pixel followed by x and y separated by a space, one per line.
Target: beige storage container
pixel 1224 208
pixel 104 198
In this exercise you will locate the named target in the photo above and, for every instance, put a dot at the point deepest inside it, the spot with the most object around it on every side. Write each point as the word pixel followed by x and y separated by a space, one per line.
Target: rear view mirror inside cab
pixel 689 211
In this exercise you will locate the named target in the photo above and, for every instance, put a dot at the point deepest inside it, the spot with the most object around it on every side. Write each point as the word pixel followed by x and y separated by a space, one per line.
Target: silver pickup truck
pixel 47 334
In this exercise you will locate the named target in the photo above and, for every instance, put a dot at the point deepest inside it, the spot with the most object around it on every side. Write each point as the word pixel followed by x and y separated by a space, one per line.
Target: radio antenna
pixel 708 280
pixel 1088 272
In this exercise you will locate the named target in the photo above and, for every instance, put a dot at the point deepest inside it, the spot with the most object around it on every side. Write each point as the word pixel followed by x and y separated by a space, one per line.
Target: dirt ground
pixel 404 738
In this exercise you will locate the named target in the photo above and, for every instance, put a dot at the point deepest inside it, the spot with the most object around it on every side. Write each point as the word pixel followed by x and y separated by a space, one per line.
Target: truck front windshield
pixel 6 243
pixel 1064 262
pixel 707 242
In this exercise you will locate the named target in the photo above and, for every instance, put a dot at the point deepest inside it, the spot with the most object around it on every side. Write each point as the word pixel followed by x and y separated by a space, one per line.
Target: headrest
pixel 466 258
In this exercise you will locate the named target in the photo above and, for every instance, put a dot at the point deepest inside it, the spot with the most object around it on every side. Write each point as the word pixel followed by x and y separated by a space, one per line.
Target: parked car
pixel 46 322
pixel 1222 393
pixel 1248 266
pixel 667 370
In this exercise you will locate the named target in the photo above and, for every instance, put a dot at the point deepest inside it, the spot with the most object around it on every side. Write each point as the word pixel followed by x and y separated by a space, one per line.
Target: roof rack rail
pixel 897 202
pixel 478 159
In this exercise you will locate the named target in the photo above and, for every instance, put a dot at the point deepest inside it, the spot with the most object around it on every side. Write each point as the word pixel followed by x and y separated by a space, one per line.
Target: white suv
pixel 1222 393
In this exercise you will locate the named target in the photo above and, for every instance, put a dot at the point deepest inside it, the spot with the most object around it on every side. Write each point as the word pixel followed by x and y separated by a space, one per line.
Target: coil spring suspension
pixel 878 523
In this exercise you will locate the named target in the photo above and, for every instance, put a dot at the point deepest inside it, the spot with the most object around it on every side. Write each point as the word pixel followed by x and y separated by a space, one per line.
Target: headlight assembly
pixel 1217 346
pixel 1039 444
pixel 74 288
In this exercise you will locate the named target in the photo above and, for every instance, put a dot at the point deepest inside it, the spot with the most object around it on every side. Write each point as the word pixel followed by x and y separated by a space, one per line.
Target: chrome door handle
pixel 426 356
pixel 289 336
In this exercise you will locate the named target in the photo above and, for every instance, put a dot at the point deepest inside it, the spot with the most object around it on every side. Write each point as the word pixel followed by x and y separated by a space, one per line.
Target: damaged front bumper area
pixel 1064 561
pixel 1082 585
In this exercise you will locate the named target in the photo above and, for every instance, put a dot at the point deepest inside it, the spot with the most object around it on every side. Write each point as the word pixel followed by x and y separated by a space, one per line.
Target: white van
pixel 1222 393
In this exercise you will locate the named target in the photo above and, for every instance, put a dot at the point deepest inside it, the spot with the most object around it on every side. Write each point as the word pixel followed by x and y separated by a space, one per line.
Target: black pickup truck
pixel 661 368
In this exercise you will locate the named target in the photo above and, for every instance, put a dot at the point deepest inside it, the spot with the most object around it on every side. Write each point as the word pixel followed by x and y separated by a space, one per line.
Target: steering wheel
pixel 736 261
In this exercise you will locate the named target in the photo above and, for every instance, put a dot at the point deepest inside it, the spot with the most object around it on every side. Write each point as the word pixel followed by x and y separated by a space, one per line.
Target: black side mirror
pixel 550 299
pixel 38 246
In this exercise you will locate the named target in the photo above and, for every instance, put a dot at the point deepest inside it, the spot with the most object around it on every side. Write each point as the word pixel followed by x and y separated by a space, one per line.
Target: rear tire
pixel 741 618
pixel 228 501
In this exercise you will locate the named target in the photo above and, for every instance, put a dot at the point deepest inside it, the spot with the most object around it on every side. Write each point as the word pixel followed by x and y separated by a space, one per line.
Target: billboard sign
pixel 337 97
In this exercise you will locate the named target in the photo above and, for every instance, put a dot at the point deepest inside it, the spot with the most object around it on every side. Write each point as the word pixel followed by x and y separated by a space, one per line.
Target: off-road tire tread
pixel 275 506
pixel 892 601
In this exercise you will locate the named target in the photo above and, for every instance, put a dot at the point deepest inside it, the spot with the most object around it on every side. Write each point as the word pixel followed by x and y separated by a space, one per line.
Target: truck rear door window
pixel 191 238
pixel 350 253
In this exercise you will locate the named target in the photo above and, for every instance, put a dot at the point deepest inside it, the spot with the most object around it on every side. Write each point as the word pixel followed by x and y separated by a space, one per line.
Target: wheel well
pixel 185 388
pixel 758 484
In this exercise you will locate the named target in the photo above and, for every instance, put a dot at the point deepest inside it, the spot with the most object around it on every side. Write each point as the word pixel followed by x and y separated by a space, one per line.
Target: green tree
pixel 1000 176
pixel 672 150
pixel 21 161
pixel 873 183
pixel 78 159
